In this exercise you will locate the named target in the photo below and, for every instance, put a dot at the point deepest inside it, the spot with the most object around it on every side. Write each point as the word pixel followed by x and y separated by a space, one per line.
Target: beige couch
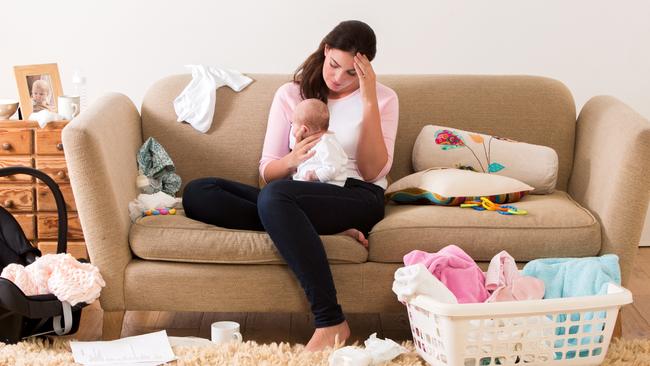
pixel 177 264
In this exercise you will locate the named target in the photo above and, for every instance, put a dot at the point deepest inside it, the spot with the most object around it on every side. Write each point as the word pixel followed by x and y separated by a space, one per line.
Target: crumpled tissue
pixel 377 352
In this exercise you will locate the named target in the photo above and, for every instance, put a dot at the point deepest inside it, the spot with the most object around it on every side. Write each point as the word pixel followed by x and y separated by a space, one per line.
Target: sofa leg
pixel 618 327
pixel 112 328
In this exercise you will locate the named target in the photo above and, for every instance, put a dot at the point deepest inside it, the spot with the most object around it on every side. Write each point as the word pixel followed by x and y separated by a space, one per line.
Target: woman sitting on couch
pixel 364 116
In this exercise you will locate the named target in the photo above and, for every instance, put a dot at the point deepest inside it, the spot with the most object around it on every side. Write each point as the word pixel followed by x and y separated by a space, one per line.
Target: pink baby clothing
pixel 58 274
pixel 507 284
pixel 454 268
pixel 346 115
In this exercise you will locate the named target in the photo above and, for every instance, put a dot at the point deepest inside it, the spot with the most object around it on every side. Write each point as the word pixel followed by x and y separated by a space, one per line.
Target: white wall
pixel 593 46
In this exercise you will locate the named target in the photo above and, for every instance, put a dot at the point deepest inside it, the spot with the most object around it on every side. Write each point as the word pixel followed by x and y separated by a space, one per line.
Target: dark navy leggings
pixel 294 213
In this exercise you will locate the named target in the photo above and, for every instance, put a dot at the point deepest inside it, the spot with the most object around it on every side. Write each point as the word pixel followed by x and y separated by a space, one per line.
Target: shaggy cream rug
pixel 57 352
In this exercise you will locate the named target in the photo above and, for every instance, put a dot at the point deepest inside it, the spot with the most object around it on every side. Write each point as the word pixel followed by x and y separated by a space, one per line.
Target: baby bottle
pixel 79 83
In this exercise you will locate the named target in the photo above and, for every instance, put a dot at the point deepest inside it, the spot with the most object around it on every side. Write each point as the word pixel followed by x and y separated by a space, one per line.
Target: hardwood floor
pixel 297 328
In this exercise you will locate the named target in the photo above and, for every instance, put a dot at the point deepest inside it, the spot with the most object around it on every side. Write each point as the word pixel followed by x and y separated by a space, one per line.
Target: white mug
pixel 223 332
pixel 69 106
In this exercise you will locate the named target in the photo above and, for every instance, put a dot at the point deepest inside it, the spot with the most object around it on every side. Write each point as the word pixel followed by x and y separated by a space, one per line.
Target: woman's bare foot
pixel 357 235
pixel 328 337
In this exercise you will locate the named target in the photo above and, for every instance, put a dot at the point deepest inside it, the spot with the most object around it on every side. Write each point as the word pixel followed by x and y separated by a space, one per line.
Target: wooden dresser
pixel 31 202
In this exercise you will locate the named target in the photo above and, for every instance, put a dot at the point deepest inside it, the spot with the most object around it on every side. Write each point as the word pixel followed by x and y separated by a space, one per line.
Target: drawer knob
pixel 60 174
pixel 6 146
pixel 8 203
pixel 59 146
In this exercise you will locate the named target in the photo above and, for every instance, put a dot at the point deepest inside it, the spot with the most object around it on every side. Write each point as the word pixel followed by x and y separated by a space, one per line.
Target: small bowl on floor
pixel 7 108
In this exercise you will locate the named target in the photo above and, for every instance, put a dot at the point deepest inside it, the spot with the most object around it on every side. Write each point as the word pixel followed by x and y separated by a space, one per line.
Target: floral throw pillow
pixel 440 146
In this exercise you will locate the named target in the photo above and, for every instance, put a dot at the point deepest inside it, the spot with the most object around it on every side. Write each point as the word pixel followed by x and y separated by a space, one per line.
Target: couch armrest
pixel 611 174
pixel 100 149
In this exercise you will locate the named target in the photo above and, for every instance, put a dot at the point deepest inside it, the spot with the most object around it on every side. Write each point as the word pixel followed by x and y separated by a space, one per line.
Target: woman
pixel 363 114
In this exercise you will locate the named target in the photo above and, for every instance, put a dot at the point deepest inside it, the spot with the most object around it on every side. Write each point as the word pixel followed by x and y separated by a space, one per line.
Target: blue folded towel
pixel 569 277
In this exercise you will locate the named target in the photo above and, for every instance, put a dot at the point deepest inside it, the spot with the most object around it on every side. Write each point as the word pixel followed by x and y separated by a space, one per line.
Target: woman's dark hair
pixel 350 36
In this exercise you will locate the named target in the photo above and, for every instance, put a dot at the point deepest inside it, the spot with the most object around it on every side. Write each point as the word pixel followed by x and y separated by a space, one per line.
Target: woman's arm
pixel 277 161
pixel 374 157
pixel 276 140
pixel 287 165
pixel 276 169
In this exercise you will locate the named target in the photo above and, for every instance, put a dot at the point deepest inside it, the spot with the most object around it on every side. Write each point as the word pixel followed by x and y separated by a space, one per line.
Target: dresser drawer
pixel 26 222
pixel 49 142
pixel 45 198
pixel 47 226
pixel 17 198
pixel 54 167
pixel 76 248
pixel 22 161
pixel 15 142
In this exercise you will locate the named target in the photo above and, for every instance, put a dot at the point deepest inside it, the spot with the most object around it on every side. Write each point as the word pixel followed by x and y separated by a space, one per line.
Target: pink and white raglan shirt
pixel 346 115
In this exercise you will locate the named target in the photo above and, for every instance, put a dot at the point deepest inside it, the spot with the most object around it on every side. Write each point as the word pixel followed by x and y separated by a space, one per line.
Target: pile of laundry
pixel 451 276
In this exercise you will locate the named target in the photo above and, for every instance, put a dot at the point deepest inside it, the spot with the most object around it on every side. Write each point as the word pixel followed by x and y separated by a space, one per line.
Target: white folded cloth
pixel 195 104
pixel 416 280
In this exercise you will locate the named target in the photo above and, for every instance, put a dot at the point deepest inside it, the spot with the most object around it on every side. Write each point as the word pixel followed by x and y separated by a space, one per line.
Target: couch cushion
pixel 180 239
pixel 555 226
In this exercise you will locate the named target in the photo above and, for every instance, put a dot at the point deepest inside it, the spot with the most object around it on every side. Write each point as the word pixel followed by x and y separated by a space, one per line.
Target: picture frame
pixel 39 87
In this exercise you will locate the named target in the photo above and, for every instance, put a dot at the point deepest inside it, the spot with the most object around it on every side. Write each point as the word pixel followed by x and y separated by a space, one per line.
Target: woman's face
pixel 338 72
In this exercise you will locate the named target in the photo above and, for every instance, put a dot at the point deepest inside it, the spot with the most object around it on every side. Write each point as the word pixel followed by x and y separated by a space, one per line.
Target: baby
pixel 40 96
pixel 329 163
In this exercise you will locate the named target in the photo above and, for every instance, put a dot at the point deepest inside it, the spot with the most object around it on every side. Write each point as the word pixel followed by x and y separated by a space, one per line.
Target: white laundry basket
pixel 568 331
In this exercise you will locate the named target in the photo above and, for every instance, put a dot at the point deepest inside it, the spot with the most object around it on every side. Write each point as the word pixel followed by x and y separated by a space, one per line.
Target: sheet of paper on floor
pixel 143 350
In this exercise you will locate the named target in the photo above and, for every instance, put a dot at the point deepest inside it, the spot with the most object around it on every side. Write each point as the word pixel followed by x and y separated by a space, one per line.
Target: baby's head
pixel 310 117
pixel 40 91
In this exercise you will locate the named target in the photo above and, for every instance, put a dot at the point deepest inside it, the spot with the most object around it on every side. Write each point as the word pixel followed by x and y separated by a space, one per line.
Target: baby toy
pixel 162 211
pixel 486 204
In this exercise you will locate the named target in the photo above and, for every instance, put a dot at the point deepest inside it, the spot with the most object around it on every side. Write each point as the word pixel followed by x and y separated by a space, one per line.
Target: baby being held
pixel 328 164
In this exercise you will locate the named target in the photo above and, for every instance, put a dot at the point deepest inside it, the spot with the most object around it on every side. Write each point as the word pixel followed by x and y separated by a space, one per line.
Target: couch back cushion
pixel 530 109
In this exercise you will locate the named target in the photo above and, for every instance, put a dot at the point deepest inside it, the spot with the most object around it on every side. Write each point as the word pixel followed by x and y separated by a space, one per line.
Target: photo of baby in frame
pixel 39 86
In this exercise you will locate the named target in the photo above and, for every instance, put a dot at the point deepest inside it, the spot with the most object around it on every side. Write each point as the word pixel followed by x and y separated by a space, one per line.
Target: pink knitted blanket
pixel 58 274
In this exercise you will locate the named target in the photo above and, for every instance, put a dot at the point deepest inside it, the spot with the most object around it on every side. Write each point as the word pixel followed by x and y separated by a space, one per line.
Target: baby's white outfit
pixel 195 104
pixel 329 162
